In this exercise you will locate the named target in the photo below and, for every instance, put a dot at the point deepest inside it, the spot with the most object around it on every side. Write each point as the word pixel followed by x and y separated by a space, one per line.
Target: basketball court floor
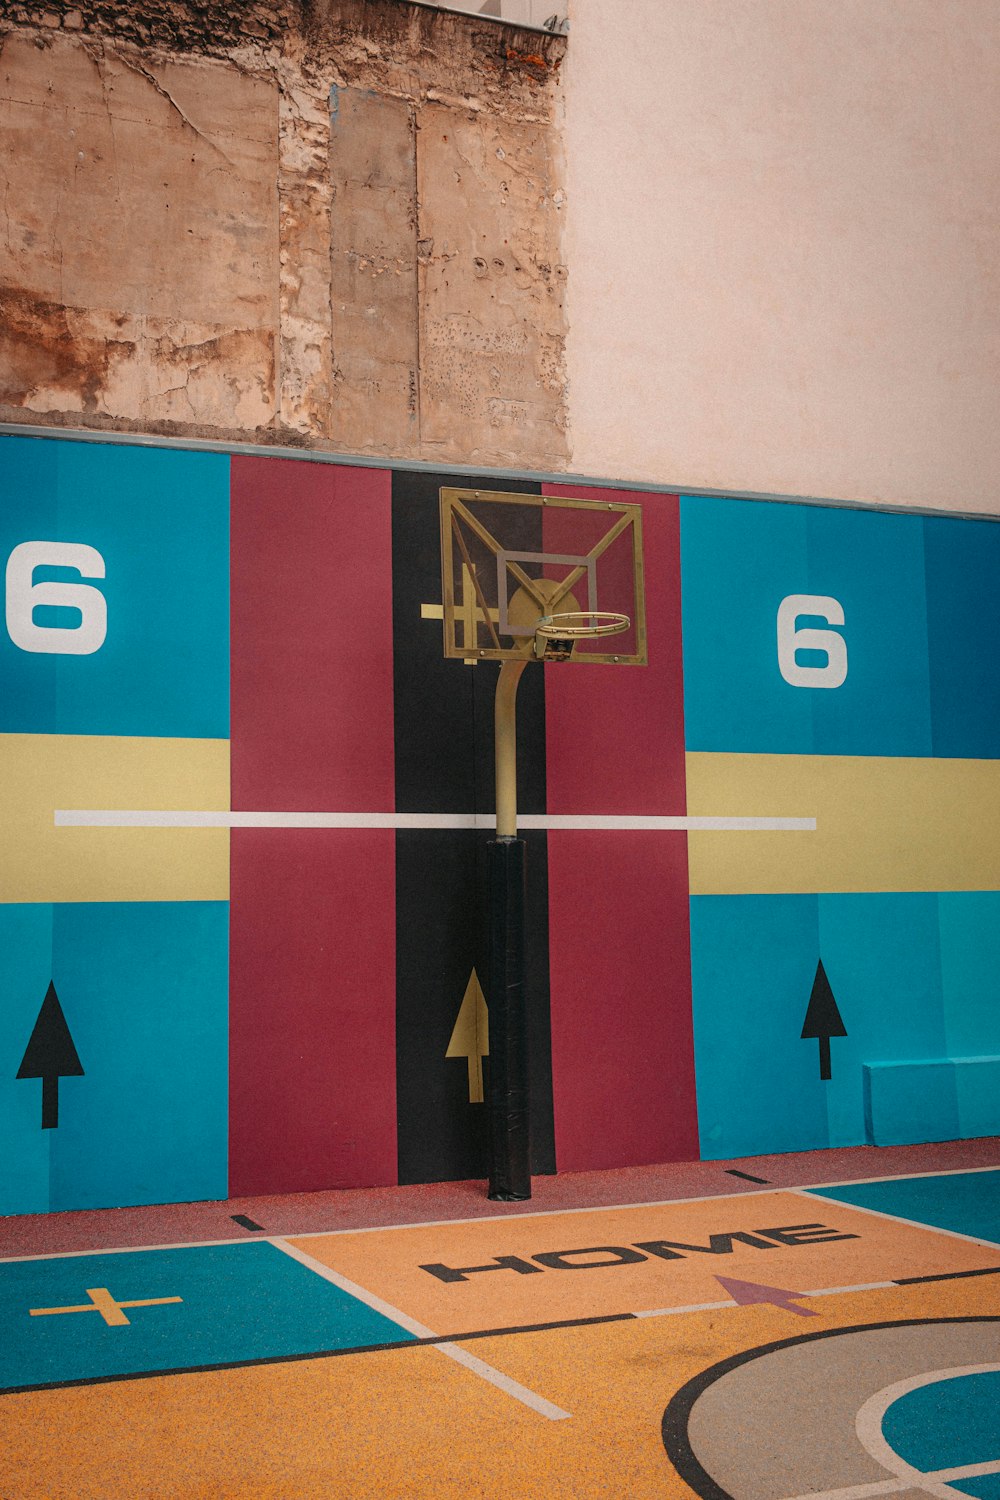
pixel 824 1325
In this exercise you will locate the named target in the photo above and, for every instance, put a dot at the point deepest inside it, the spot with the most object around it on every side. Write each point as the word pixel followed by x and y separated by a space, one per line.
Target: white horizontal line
pixel 861 1286
pixel 689 825
pixel 669 1312
pixel 826 1291
pixel 161 818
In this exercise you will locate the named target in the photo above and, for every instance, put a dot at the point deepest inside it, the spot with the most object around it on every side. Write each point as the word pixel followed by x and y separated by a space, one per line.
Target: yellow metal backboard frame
pixel 623 520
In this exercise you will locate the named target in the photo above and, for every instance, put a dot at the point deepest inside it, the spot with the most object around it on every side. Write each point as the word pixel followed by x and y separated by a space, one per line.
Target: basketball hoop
pixel 529 578
pixel 556 635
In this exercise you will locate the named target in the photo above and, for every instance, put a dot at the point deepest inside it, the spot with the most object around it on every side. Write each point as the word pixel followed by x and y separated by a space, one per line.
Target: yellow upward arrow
pixel 471 1036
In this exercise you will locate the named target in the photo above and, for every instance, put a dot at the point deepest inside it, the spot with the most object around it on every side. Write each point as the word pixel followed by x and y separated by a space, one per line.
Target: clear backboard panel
pixel 508 561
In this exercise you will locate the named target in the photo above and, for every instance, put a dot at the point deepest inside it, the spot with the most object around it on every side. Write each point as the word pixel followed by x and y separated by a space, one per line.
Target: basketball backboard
pixel 508 560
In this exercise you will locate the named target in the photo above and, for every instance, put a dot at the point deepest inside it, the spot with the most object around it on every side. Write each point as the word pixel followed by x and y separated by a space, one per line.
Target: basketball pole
pixel 508 1097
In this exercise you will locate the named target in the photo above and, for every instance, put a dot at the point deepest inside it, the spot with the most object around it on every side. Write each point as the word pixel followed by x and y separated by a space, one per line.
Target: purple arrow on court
pixel 745 1292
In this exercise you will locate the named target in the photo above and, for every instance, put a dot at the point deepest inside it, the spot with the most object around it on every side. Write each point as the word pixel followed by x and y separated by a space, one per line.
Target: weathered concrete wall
pixel 334 224
pixel 785 246
pixel 141 226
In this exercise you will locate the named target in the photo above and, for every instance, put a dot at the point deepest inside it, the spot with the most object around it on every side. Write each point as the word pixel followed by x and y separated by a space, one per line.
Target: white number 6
pixel 24 597
pixel 790 640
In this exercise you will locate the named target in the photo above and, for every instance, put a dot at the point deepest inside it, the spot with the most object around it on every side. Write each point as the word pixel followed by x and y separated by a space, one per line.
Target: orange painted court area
pixel 502 1406
pixel 591 1278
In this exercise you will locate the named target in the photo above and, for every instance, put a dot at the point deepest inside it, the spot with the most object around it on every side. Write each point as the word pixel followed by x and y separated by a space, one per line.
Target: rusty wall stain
pixel 141 231
pixel 331 223
pixel 40 351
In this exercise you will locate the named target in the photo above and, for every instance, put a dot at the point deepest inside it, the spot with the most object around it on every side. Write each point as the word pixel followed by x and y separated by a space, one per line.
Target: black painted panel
pixel 440 939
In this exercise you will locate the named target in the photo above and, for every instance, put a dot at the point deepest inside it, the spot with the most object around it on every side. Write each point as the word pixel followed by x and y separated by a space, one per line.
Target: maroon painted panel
pixel 312 987
pixel 615 735
pixel 619 934
pixel 619 966
pixel 311 637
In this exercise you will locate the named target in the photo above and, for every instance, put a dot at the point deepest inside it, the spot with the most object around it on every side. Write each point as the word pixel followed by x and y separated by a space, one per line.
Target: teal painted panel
pixel 143 987
pixel 25 972
pixel 873 564
pixel 970 967
pixel 753 960
pixel 977 1088
pixel 962 567
pixel 908 1102
pixel 157 522
pixel 881 951
pixel 740 561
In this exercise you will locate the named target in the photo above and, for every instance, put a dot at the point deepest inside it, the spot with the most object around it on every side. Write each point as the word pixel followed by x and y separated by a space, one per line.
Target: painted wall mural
pixel 240 934
pixel 871 703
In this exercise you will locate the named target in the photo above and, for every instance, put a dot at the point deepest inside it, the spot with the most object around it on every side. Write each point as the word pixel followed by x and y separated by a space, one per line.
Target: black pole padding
pixel 508 1098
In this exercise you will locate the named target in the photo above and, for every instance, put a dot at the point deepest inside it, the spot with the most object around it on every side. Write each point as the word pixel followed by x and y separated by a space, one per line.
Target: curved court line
pixel 452 1351
pixel 677 1414
pixel 868 1426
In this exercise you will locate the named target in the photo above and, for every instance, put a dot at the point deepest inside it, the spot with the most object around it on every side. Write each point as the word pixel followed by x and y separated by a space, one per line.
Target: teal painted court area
pixel 960 1202
pixel 951 1423
pixel 207 1306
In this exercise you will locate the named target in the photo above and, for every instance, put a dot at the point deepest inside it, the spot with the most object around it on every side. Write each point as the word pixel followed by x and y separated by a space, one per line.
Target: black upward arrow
pixel 50 1055
pixel 823 1019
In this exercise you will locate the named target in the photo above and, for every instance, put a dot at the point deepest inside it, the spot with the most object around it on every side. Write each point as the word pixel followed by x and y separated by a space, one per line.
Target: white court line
pixel 316 1234
pixel 899 1177
pixel 617 1208
pixel 816 1194
pixel 452 1351
pixel 824 1291
pixel 544 1213
pixel 690 1307
pixel 17 1260
pixel 548 1213
pixel 162 818
pixel 862 1286
pixel 671 1312
pixel 892 1486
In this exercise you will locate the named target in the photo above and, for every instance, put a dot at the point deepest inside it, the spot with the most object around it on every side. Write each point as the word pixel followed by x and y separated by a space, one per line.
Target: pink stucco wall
pixel 784 245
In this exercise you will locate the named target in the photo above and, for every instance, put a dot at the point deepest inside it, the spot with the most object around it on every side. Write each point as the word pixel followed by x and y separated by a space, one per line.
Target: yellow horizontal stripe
pixel 39 862
pixel 882 824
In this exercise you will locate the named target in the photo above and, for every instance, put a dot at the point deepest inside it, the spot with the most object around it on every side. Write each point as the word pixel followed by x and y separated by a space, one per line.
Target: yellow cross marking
pixel 101 1301
pixel 469 613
